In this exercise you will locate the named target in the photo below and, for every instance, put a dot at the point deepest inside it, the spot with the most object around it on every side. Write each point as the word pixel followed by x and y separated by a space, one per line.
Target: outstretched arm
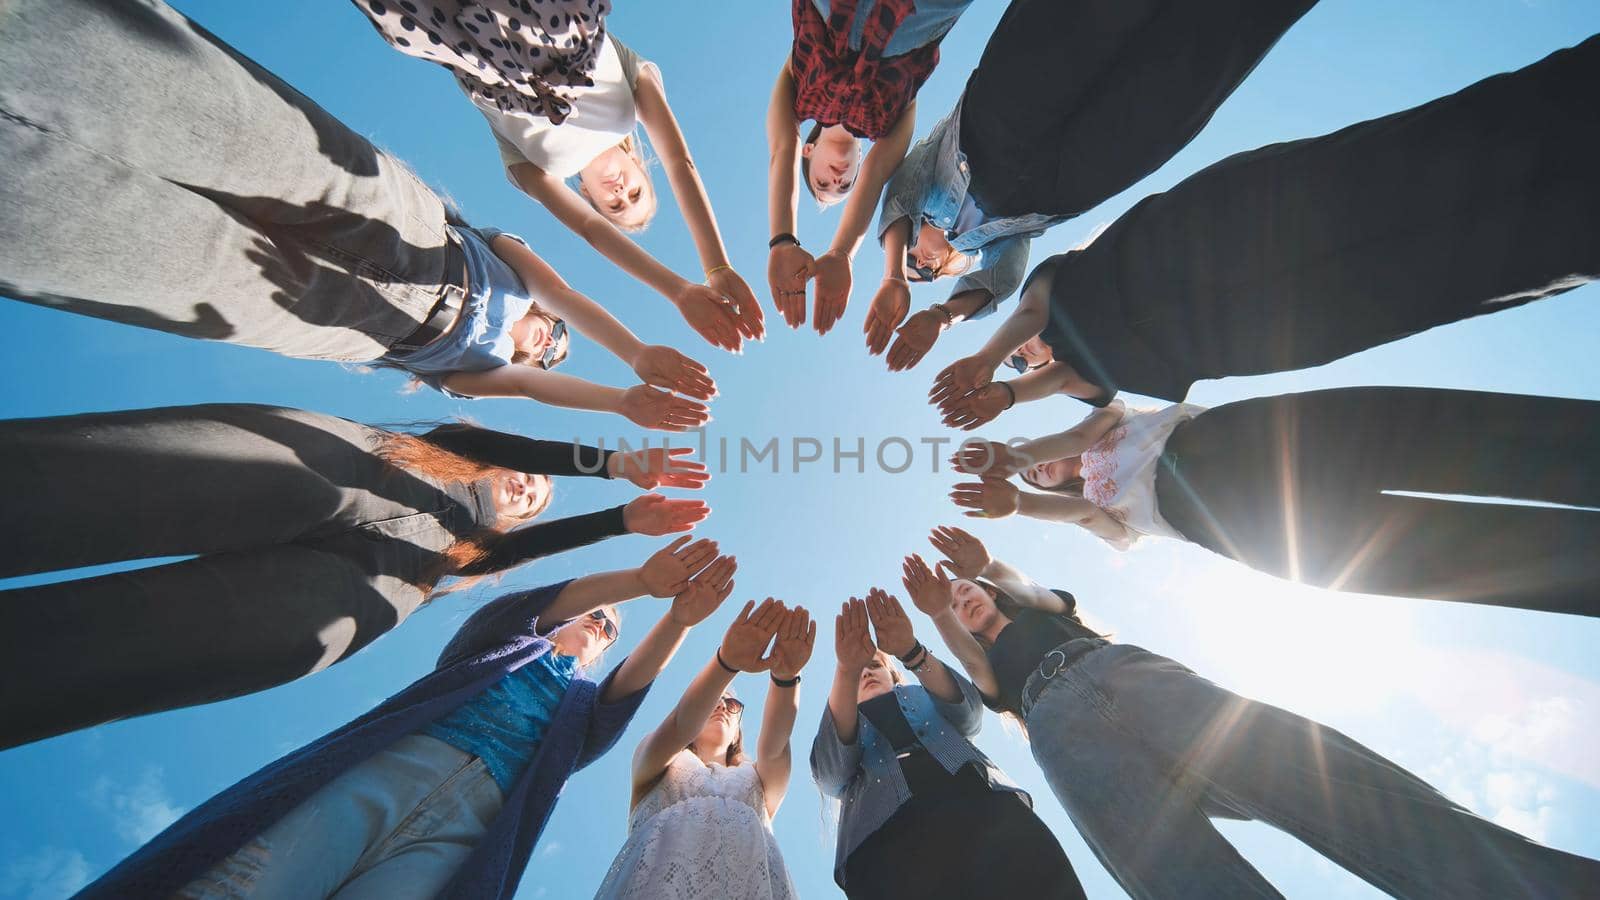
pixel 643 405
pixel 791 649
pixel 931 592
pixel 882 160
pixel 693 203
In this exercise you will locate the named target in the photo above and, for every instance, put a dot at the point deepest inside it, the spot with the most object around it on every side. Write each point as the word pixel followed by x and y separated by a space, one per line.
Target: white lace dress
pixel 702 833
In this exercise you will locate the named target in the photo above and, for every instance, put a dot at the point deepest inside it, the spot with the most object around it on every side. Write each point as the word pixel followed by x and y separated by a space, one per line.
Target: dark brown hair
pixel 735 755
pixel 1072 487
pixel 805 161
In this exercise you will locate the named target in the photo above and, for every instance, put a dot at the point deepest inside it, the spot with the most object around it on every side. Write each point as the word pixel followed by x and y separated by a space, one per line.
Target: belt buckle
pixel 1059 666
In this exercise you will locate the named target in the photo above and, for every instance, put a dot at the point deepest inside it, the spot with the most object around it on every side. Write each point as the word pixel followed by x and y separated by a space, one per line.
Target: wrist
pixel 724 665
pixel 945 316
pixel 614 464
pixel 1011 393
pixel 785 680
pixel 782 238
pixel 849 671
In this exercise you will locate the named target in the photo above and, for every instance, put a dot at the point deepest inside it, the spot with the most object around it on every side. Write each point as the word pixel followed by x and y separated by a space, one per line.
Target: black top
pixel 520 454
pixel 885 715
pixel 548 538
pixel 1021 646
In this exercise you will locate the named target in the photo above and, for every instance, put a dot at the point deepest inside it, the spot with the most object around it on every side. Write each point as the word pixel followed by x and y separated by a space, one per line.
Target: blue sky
pixel 1498 708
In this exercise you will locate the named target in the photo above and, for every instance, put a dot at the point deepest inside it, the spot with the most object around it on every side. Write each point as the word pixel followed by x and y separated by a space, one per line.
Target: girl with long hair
pixel 924 813
pixel 565 99
pixel 243 212
pixel 1071 103
pixel 312 536
pixel 853 71
pixel 1143 753
pixel 1313 487
pixel 1300 253
pixel 444 789
pixel 701 819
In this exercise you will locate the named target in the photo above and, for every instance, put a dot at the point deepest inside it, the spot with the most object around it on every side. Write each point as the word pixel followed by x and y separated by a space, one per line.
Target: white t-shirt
pixel 1119 471
pixel 601 117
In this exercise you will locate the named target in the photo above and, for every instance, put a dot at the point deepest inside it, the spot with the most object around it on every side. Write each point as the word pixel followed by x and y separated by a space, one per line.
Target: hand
pixel 667 572
pixel 968 557
pixel 991 459
pixel 752 322
pixel 665 367
pixel 744 646
pixel 990 498
pixel 889 307
pixel 704 594
pixel 852 641
pixel 976 409
pixel 792 647
pixel 649 408
pixel 659 467
pixel 915 338
pixel 931 591
pixel 709 313
pixel 833 289
pixel 789 267
pixel 654 514
pixel 961 378
pixel 891 623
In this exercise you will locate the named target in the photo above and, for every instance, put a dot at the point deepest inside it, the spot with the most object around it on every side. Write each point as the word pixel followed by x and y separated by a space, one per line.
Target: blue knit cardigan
pixel 495 641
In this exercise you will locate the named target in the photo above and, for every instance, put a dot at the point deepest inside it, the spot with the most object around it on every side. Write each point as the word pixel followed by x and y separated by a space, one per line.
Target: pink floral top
pixel 1119 471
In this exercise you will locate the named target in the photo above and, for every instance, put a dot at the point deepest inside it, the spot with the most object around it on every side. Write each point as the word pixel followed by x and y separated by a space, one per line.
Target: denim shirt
pixel 931 183
pixel 866 775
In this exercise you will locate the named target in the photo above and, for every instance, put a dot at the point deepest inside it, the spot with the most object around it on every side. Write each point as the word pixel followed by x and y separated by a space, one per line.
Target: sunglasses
pixel 734 705
pixel 552 351
pixel 609 626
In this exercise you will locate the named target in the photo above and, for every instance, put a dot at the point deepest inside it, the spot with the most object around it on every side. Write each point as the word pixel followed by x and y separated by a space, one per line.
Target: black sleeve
pixel 548 538
pixel 520 454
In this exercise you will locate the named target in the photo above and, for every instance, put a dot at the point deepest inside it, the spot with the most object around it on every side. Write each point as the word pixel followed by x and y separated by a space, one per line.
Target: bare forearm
pixel 646 661
pixel 936 677
pixel 842 700
pixel 598 324
pixel 1045 381
pixel 777 723
pixel 783 156
pixel 584 595
pixel 1019 586
pixel 967 651
pixel 532 383
pixel 1070 510
pixel 895 239
pixel 697 704
pixel 882 160
pixel 1026 321
pixel 962 306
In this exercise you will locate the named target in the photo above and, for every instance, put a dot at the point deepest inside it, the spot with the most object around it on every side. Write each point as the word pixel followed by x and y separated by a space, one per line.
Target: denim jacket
pixel 932 183
pixel 866 775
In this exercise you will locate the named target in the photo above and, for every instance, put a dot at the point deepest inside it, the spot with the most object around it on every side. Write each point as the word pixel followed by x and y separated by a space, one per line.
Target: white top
pixel 702 833
pixel 602 115
pixel 1119 471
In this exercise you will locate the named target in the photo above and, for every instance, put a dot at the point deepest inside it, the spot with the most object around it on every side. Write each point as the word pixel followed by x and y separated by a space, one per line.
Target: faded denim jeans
pixel 1143 752
pixel 398 825
pixel 156 177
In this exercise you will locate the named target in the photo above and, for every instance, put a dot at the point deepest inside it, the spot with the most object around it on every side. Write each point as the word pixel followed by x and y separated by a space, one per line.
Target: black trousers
pixel 1300 253
pixel 1075 100
pixel 310 545
pixel 961 841
pixel 1294 485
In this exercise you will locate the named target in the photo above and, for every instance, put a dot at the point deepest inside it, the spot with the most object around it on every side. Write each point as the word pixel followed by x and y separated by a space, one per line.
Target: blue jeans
pixel 398 825
pixel 1143 752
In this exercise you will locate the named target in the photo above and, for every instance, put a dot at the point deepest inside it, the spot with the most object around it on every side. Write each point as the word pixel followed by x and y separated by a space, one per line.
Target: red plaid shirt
pixel 862 90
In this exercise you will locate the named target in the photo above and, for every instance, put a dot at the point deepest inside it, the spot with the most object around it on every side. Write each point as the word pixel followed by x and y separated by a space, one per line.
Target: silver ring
pixel 1057 670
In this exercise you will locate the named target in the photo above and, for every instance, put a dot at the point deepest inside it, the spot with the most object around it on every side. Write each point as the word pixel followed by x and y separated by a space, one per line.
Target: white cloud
pixel 550 848
pixel 138 811
pixel 49 873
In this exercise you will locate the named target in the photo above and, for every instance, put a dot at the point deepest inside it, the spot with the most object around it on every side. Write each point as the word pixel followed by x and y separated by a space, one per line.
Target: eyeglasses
pixel 552 351
pixel 734 706
pixel 609 626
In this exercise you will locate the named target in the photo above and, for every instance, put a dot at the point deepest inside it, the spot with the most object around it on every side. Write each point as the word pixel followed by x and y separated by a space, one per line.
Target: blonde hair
pixel 631 146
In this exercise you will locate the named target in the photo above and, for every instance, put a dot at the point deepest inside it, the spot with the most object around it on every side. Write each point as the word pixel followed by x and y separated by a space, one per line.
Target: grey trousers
pixel 155 177
pixel 310 548
pixel 1143 753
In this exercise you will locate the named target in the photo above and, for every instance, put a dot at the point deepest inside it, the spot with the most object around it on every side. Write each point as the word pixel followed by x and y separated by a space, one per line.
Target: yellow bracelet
pixel 715 269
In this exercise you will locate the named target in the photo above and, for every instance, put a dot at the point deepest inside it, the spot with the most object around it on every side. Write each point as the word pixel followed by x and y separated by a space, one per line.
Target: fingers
pixel 697 559
pixel 969 494
pixel 677 543
pixel 877 332
pixel 945 570
pixel 682 553
pixel 744 615
pixel 769 615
